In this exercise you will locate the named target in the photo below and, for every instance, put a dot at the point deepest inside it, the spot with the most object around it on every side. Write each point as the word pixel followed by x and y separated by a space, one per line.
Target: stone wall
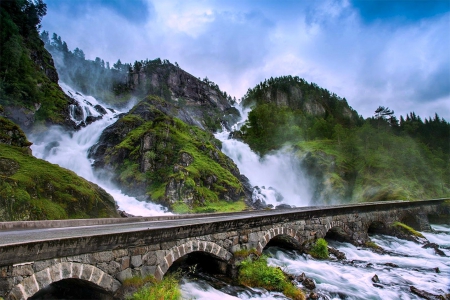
pixel 154 252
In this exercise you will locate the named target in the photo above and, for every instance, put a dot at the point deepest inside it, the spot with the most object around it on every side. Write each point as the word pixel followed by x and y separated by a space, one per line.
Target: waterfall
pixel 70 149
pixel 277 177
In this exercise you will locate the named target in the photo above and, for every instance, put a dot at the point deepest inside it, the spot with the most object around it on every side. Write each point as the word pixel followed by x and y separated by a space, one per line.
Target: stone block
pixel 87 271
pixel 125 274
pixel 104 256
pixel 23 270
pixel 83 258
pixel 43 278
pixel 76 270
pixel 168 245
pixel 138 251
pixel 16 294
pixel 136 261
pixel 97 275
pixel 30 285
pixel 148 270
pixel 111 268
pixel 125 262
pixel 119 253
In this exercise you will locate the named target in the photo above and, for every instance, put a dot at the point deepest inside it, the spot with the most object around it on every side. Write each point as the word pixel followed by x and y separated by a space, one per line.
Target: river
pixel 348 279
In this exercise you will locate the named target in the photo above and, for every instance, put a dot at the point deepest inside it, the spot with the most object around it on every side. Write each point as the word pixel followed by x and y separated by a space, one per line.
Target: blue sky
pixel 390 53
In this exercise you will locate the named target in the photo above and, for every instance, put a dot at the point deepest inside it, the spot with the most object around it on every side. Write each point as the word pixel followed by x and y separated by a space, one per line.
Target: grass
pixel 320 249
pixel 167 289
pixel 408 229
pixel 33 189
pixel 257 273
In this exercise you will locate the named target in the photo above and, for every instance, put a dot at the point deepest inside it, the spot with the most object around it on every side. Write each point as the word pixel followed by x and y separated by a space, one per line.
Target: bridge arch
pixel 179 251
pixel 62 271
pixel 340 231
pixel 275 232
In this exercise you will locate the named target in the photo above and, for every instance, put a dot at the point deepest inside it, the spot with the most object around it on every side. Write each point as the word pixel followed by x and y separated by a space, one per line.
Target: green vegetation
pixel 176 164
pixel 320 249
pixel 407 229
pixel 348 158
pixel 257 273
pixel 373 245
pixel 167 289
pixel 33 189
pixel 245 253
pixel 28 79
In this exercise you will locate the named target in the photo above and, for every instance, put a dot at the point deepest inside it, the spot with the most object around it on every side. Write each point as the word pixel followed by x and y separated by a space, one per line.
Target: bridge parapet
pixel 110 259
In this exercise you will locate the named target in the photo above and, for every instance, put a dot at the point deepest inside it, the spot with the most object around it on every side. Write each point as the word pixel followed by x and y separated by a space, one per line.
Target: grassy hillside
pixel 33 189
pixel 348 158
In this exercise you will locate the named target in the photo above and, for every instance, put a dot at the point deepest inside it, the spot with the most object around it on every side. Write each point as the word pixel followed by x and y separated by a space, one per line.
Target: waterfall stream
pixel 70 149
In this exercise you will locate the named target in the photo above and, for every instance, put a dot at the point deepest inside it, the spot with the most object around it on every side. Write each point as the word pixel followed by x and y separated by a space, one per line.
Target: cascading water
pixel 70 149
pixel 277 177
pixel 404 264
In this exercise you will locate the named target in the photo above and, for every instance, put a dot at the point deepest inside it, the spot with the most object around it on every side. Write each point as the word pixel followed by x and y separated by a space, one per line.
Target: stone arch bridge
pixel 102 253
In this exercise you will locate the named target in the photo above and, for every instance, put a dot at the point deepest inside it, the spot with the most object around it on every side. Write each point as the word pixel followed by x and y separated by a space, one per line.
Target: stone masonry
pixel 153 253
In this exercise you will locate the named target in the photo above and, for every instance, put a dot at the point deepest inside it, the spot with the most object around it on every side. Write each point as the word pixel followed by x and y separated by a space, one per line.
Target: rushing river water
pixel 352 278
pixel 348 279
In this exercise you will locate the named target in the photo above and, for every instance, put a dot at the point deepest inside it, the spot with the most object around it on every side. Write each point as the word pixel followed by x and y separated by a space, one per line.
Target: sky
pixel 374 53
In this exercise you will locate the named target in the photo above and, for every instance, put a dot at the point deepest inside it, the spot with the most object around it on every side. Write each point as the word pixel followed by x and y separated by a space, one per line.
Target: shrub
pixel 257 273
pixel 320 249
pixel 167 289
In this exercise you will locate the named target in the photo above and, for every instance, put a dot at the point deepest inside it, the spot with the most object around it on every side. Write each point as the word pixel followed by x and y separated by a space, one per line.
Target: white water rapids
pixel 349 279
pixel 352 278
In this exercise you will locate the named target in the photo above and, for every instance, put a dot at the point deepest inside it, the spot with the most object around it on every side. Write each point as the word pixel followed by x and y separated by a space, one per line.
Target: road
pixel 22 236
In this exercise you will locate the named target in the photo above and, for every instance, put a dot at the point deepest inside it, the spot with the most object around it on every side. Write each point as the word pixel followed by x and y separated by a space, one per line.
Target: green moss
pixel 370 244
pixel 38 190
pixel 256 273
pixel 408 229
pixel 243 253
pixel 320 249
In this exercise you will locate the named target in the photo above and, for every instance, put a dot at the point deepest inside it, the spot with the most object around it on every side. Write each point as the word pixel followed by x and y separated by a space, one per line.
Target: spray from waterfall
pixel 70 149
pixel 276 177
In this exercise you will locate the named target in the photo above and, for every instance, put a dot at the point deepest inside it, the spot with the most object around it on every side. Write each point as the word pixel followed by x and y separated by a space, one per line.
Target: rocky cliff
pixel 154 153
pixel 201 101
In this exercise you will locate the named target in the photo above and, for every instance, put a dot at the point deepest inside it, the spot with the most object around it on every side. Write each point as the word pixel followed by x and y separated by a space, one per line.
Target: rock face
pixel 200 103
pixel 156 156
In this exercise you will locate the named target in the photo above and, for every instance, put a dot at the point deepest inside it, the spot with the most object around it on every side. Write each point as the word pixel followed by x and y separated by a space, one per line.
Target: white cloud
pixel 238 44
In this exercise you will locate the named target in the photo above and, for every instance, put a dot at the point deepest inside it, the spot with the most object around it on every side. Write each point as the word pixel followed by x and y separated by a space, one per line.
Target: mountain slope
pixel 158 157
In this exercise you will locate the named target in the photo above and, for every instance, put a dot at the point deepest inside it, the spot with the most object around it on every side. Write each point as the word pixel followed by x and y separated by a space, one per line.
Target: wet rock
pixel 338 254
pixel 391 265
pixel 309 283
pixel 378 285
pixel 435 247
pixel 100 109
pixel 301 277
pixel 124 214
pixel 437 270
pixel 283 206
pixel 375 278
pixel 425 295
pixel 313 296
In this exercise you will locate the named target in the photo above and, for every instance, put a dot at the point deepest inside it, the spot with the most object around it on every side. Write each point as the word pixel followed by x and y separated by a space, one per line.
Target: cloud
pixel 366 55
